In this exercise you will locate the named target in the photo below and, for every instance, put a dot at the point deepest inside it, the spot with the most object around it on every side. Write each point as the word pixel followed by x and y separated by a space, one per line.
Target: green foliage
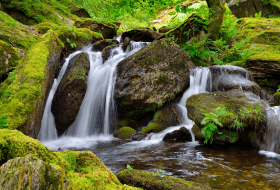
pixel 159 171
pixel 131 13
pixel 159 103
pixel 278 90
pixel 157 114
pixel 258 15
pixel 129 168
pixel 72 44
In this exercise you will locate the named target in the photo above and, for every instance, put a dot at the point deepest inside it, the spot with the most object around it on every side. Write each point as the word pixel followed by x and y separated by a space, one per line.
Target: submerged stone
pixel 70 92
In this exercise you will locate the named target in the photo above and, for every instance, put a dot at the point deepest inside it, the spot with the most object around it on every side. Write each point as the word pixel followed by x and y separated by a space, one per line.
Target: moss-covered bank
pixel 152 181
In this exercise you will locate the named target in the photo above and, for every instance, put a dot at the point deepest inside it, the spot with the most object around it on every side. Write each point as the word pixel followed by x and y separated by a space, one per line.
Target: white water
pixel 199 79
pixel 97 108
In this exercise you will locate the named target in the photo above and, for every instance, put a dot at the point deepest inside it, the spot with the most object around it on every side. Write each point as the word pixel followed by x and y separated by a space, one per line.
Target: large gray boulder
pixel 70 92
pixel 30 172
pixel 150 78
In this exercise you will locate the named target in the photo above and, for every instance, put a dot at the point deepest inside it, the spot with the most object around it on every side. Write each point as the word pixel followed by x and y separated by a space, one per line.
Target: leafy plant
pixel 159 171
pixel 129 168
pixel 278 90
pixel 172 96
pixel 72 44
pixel 210 123
pixel 159 103
pixel 258 15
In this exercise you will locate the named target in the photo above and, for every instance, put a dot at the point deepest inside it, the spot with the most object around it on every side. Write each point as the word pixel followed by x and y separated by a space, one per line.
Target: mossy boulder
pixel 277 98
pixel 108 30
pixel 85 170
pixel 248 8
pixel 243 120
pixel 15 33
pixel 15 144
pixel 31 172
pixel 100 45
pixel 150 78
pixel 130 33
pixel 152 127
pixel 152 181
pixel 9 58
pixel 78 11
pixel 24 95
pixel 263 35
pixel 70 92
pixel 124 133
pixel 165 29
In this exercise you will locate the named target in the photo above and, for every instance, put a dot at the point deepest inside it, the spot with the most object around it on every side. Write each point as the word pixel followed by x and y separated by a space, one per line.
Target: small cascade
pixel 200 82
pixel 272 134
pixel 97 109
pixel 48 130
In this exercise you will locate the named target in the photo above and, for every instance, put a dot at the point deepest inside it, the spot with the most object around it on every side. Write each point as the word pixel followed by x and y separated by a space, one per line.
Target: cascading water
pixel 97 108
pixel 200 81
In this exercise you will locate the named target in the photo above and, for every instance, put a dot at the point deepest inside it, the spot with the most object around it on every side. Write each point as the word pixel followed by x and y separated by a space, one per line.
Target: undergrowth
pixel 252 115
pixel 131 13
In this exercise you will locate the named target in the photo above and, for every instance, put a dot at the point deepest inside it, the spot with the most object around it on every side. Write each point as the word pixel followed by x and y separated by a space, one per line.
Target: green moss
pixel 277 96
pixel 124 133
pixel 18 100
pixel 9 57
pixel 43 27
pixel 15 33
pixel 227 136
pixel 153 127
pixel 149 180
pixel 14 144
pixel 35 11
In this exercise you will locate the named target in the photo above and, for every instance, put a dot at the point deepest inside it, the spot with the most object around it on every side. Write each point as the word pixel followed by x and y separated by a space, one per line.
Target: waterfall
pixel 272 133
pixel 98 108
pixel 200 81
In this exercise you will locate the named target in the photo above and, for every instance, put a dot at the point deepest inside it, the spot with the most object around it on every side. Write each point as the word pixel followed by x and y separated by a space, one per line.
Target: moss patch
pixel 20 95
pixel 8 57
pixel 124 133
pixel 15 33
pixel 149 180
pixel 153 127
pixel 14 144
pixel 43 27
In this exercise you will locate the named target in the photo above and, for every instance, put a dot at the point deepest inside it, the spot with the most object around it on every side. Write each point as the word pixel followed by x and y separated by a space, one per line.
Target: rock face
pixel 70 92
pixel 164 29
pixel 149 78
pixel 152 181
pixel 182 134
pixel 100 45
pixel 247 8
pixel 19 172
pixel 243 120
pixel 108 30
pixel 126 42
pixel 9 58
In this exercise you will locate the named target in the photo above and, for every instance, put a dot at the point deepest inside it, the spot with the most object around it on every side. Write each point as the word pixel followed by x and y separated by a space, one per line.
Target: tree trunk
pixel 216 9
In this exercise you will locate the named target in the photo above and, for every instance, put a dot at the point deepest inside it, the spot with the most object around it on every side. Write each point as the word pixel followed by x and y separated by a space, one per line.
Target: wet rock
pixel 145 36
pixel 108 30
pixel 151 77
pixel 70 92
pixel 227 77
pixel 17 172
pixel 182 134
pixel 137 137
pixel 152 181
pixel 106 52
pixel 129 33
pixel 247 8
pixel 8 59
pixel 188 29
pixel 277 98
pixel 242 120
pixel 126 42
pixel 100 45
pixel 165 29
